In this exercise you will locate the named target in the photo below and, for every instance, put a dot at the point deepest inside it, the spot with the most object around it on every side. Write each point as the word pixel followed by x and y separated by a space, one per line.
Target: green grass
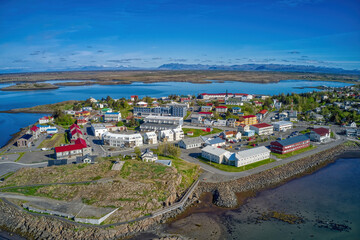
pixel 290 154
pixel 305 131
pixel 189 171
pixel 28 191
pixel 228 168
pixel 55 141
pixel 20 156
pixel 200 132
pixel 187 114
pixel 125 112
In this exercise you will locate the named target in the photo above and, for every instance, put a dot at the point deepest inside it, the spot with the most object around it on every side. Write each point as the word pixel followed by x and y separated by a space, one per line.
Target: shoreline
pixel 243 192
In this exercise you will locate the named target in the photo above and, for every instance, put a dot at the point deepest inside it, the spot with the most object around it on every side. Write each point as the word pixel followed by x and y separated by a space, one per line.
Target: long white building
pixel 98 129
pixel 282 126
pixel 122 140
pixel 156 123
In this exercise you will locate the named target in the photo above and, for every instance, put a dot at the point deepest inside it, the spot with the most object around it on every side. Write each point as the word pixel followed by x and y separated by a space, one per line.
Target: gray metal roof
pixel 252 151
pixel 293 140
pixel 194 140
pixel 214 150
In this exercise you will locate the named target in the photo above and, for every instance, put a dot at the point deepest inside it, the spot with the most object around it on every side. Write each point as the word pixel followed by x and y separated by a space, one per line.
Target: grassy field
pixel 189 171
pixel 228 168
pixel 200 132
pixel 290 154
pixel 126 77
pixel 56 140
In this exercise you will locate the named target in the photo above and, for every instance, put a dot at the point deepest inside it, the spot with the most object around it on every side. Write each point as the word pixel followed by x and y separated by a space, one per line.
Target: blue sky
pixel 55 35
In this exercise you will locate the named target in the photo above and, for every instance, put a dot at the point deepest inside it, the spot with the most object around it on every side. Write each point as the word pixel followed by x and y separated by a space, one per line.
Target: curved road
pixel 6 167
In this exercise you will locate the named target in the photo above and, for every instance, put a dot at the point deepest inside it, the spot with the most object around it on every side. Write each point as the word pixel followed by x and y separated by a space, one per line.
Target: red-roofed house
pixel 258 104
pixel 75 134
pixel 79 148
pixel 263 128
pixel 35 131
pixel 46 119
pixel 134 97
pixel 81 121
pixel 206 114
pixel 320 134
pixel 221 109
pixel 260 115
pixel 72 127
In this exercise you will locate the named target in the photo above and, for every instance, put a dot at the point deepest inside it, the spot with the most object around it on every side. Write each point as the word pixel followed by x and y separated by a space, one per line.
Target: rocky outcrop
pixel 225 197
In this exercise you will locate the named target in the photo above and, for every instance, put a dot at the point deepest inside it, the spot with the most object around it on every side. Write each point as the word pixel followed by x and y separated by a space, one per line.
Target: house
pixel 148 156
pixel 208 122
pixel 230 134
pixel 189 143
pixel 260 115
pixel 242 128
pixel 196 119
pixel 78 148
pixel 206 108
pixel 81 121
pixel 282 126
pixel 75 134
pixel 352 132
pixel 221 109
pixel 25 141
pixel 206 114
pixel 35 131
pixel 220 123
pixel 178 134
pixel 234 101
pixel 166 135
pixel 236 110
pixel 82 114
pixel 85 159
pixel 215 142
pixel 98 129
pixel 100 105
pixel 283 116
pixel 249 156
pixel 320 134
pixel 88 109
pixel 352 125
pixel 112 117
pixel 122 140
pixel 142 104
pixel 92 100
pixel 52 130
pixel 258 104
pixel 134 97
pixel 248 119
pixel 262 128
pixel 46 119
pixel 164 162
pixel 231 122
pixel 150 138
pixel 106 110
pixel 249 133
pixel 44 128
pixel 213 154
pixel 290 144
pixel 161 123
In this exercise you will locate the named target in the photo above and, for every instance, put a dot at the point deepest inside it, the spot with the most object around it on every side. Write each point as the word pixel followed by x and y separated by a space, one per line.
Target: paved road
pixel 6 167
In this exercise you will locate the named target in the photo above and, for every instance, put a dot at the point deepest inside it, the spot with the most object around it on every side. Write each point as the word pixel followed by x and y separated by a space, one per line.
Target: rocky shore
pixel 35 226
pixel 224 192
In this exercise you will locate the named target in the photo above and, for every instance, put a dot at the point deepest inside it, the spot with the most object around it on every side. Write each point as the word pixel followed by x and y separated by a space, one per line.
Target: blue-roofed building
pixel 215 142
pixel 290 144
pixel 44 128
pixel 236 110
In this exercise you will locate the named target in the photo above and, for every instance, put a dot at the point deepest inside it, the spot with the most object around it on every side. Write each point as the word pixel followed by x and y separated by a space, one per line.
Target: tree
pixel 137 151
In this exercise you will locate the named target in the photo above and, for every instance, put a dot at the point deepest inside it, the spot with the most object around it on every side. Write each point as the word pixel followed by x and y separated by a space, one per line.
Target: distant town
pixel 224 134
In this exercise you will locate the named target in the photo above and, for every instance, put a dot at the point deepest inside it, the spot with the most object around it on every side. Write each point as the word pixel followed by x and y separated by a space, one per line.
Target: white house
pixel 251 155
pixel 166 135
pixel 87 109
pixel 262 128
pixel 320 134
pixel 122 140
pixel 148 156
pixel 178 134
pixel 98 129
pixel 46 119
pixel 213 154
pixel 189 143
pixel 150 138
pixel 282 126
pixel 112 116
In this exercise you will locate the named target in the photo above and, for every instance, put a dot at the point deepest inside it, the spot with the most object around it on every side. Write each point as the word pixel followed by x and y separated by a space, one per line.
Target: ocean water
pixel 20 99
pixel 327 201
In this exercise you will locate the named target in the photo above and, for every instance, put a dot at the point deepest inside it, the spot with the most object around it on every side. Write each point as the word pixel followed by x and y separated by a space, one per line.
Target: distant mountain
pixel 258 67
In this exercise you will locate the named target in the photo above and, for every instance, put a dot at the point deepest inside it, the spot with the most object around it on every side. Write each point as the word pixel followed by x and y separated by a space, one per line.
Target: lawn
pixel 290 154
pixel 200 132
pixel 229 168
pixel 56 140
pixel 189 171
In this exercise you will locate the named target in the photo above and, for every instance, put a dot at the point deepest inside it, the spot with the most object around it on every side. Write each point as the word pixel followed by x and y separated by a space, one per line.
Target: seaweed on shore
pixel 284 217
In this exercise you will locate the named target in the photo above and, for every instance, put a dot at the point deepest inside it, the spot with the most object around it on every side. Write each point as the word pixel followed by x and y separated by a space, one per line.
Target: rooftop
pixel 214 150
pixel 262 125
pixel 293 140
pixel 321 131
pixel 252 151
